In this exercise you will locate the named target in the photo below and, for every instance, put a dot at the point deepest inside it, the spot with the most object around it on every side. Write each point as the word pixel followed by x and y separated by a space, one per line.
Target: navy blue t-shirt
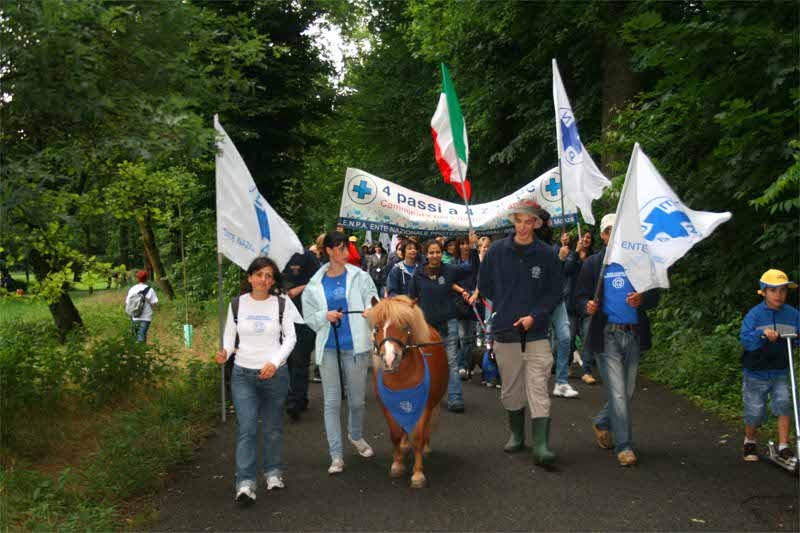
pixel 616 288
pixel 336 295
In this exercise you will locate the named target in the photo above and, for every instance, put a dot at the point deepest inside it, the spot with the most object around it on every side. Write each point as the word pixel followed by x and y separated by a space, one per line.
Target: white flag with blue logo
pixel 247 226
pixel 582 180
pixel 653 227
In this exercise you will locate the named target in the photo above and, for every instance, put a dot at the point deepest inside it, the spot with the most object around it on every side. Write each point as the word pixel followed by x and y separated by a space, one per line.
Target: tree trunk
pixel 150 248
pixel 65 314
pixel 619 85
pixel 124 244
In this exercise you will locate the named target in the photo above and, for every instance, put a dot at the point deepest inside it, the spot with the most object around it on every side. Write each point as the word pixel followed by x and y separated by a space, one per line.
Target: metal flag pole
pixel 563 211
pixel 221 332
pixel 464 192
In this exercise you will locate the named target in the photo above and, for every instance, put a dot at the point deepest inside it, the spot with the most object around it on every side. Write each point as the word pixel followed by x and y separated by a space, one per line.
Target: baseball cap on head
pixel 353 238
pixel 609 220
pixel 775 278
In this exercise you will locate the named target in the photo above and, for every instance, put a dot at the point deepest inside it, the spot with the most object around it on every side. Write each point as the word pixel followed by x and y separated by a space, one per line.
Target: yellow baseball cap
pixel 775 278
pixel 353 238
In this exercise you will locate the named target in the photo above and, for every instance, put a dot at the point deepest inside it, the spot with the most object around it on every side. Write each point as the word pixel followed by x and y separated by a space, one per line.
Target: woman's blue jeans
pixel 254 397
pixel 354 369
pixel 455 394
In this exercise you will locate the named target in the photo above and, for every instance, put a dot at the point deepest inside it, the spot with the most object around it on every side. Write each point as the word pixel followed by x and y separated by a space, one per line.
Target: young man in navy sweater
pixel 522 277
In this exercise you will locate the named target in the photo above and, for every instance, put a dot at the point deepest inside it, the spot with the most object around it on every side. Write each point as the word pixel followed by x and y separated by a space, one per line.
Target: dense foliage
pixel 108 152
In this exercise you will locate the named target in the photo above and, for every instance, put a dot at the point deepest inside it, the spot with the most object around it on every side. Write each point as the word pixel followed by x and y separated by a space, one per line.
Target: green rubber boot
pixel 540 429
pixel 516 422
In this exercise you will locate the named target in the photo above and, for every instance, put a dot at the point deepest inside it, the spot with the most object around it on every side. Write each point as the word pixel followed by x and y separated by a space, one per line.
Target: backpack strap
pixel 143 292
pixel 235 310
pixel 281 308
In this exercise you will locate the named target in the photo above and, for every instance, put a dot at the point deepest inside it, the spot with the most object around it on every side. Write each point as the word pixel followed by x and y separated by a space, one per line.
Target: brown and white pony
pixel 399 324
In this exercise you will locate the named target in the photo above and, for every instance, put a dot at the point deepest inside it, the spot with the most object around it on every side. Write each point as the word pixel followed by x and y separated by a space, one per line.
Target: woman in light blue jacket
pixel 339 285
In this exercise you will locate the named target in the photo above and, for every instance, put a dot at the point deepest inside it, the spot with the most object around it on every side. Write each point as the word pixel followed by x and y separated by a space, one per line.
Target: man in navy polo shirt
pixel 522 277
pixel 618 333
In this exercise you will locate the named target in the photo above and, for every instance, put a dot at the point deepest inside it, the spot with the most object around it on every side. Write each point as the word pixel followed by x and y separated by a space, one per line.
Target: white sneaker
pixel 565 391
pixel 337 466
pixel 275 482
pixel 462 373
pixel 364 449
pixel 245 494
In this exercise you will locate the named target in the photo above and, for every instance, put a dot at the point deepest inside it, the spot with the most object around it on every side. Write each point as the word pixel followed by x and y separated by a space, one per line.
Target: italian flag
pixel 450 138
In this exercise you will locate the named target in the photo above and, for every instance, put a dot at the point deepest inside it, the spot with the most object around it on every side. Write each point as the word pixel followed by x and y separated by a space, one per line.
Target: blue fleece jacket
pixel 760 354
pixel 521 281
pixel 435 295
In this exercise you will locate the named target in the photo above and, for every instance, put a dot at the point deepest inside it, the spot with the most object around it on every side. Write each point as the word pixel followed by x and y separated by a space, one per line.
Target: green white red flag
pixel 450 138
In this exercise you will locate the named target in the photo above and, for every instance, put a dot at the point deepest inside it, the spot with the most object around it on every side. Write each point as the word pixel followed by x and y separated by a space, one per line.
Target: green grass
pixel 72 463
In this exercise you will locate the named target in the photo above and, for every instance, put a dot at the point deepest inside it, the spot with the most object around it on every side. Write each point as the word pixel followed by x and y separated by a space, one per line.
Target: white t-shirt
pixel 259 341
pixel 150 298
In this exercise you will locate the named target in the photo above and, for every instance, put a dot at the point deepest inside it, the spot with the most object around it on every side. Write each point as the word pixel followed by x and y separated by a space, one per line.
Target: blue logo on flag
pixel 573 151
pixel 263 224
pixel 663 220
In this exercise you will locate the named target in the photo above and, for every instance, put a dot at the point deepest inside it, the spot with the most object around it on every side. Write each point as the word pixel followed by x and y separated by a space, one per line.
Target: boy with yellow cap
pixel 766 360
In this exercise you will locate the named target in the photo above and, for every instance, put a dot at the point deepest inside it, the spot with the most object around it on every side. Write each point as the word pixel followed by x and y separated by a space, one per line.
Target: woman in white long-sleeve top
pixel 339 285
pixel 260 329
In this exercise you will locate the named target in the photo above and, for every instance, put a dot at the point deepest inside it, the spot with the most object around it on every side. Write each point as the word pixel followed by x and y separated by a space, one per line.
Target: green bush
pixel 33 370
pixel 139 445
pixel 112 365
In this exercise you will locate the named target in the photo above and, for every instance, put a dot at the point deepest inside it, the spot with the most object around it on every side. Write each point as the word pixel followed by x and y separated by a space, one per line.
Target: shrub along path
pixel 690 476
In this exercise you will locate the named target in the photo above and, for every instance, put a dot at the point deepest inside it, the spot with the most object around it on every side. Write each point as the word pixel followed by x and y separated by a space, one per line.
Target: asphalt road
pixel 690 477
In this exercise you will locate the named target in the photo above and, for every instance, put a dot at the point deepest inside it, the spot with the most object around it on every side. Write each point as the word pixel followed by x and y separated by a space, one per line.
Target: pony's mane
pixel 401 310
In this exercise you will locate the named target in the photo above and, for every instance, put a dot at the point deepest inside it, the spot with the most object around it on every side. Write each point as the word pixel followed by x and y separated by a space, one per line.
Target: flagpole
pixel 608 248
pixel 464 192
pixel 563 211
pixel 221 331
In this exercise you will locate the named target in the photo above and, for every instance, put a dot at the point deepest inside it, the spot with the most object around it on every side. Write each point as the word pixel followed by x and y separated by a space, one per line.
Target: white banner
pixel 247 226
pixel 374 204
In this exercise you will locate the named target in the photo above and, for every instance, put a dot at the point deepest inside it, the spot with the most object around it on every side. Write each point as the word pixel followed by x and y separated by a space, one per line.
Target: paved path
pixel 690 477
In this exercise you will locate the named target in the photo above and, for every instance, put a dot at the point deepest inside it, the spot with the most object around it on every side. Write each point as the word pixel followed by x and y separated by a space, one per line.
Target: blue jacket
pixel 435 296
pixel 360 291
pixel 521 284
pixel 760 354
pixel 399 279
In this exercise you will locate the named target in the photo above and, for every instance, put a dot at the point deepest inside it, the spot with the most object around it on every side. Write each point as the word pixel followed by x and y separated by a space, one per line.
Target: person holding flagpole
pixel 260 329
pixel 651 229
pixel 522 277
pixel 619 332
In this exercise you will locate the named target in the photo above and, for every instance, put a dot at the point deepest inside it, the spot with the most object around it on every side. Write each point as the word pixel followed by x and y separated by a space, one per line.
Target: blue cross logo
pixel 553 186
pixel 362 190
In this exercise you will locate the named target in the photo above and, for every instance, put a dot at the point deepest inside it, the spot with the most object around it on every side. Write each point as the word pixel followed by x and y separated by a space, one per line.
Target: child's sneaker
pixel 786 454
pixel 750 453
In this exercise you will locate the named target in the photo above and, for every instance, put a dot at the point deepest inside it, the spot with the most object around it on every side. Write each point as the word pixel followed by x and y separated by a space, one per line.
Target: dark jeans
pixel 257 400
pixel 298 363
